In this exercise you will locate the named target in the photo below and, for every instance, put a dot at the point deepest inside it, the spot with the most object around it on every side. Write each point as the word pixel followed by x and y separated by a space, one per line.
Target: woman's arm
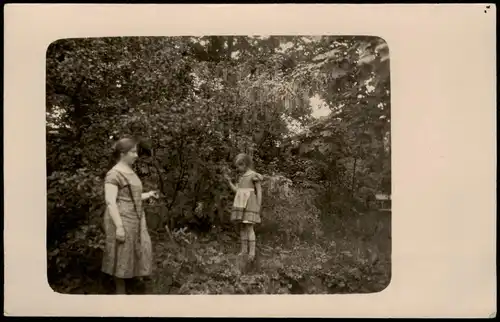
pixel 258 191
pixel 111 192
pixel 151 194
pixel 146 195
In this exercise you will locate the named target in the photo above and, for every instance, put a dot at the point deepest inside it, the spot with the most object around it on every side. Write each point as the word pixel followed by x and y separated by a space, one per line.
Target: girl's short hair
pixel 245 158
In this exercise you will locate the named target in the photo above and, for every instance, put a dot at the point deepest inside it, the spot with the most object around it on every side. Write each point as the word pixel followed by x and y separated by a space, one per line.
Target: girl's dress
pixel 245 206
pixel 132 258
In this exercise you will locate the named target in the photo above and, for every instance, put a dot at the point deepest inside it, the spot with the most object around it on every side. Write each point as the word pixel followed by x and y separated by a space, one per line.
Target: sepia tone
pixel 431 100
pixel 312 112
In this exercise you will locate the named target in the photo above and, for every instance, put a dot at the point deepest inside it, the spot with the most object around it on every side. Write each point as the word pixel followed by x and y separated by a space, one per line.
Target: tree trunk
pixel 353 176
pixel 230 41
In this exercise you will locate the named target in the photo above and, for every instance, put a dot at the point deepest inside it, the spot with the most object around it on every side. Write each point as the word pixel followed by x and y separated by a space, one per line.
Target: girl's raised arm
pixel 233 187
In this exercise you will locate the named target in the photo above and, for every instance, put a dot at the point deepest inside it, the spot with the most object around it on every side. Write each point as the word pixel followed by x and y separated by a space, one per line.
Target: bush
pixel 75 238
pixel 71 198
pixel 289 210
pixel 78 259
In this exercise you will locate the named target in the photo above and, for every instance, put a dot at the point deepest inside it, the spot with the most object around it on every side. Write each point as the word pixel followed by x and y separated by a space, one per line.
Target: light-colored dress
pixel 132 258
pixel 245 206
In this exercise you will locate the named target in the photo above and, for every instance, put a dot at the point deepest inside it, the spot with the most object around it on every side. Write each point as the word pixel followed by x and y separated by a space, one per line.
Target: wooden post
pixel 382 198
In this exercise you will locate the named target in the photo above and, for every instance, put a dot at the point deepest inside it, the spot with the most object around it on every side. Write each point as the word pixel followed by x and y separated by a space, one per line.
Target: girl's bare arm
pixel 111 192
pixel 233 186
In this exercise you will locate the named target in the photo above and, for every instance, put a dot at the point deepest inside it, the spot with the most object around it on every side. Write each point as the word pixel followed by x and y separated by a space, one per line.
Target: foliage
pixel 208 266
pixel 77 259
pixel 290 212
pixel 194 103
pixel 68 193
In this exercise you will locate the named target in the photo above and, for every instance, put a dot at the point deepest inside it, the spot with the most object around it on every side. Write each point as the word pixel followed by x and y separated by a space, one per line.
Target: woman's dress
pixel 132 258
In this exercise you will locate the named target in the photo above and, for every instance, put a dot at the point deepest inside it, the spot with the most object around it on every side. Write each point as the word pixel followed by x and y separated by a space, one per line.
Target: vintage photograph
pixel 218 165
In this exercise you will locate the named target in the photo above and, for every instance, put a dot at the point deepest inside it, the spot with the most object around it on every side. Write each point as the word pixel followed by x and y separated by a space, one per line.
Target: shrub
pixel 78 258
pixel 74 233
pixel 289 210
pixel 71 198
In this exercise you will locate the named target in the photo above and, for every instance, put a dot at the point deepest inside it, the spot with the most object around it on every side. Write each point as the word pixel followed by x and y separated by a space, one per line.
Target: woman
pixel 128 251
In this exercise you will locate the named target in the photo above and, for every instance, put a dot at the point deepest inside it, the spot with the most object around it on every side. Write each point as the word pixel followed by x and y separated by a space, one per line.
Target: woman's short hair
pixel 123 146
pixel 245 158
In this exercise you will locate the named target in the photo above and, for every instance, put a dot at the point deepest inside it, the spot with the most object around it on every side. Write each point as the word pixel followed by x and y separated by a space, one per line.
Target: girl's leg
pixel 120 285
pixel 251 242
pixel 148 285
pixel 243 240
pixel 141 285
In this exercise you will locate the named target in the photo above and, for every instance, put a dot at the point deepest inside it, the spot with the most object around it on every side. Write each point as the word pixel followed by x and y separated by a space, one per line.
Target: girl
pixel 128 250
pixel 247 203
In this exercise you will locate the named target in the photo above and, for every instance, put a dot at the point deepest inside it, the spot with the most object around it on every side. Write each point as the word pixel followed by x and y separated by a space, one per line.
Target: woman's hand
pixel 154 194
pixel 151 194
pixel 227 177
pixel 120 234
